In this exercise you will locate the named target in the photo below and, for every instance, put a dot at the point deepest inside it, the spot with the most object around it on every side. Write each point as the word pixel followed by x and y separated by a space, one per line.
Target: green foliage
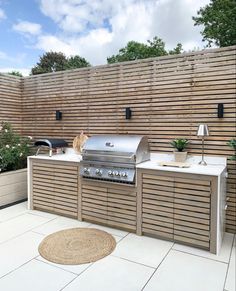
pixel 135 50
pixel 180 144
pixel 14 149
pixel 15 73
pixel 50 62
pixel 75 62
pixel 232 144
pixel 54 62
pixel 219 21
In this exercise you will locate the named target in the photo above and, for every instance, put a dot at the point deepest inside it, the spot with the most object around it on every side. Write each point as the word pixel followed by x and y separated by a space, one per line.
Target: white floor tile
pixel 76 269
pixel 144 250
pixel 184 272
pixel 223 256
pixel 20 224
pixel 18 251
pixel 59 224
pixel 43 214
pixel 110 230
pixel 112 274
pixel 230 284
pixel 13 211
pixel 36 276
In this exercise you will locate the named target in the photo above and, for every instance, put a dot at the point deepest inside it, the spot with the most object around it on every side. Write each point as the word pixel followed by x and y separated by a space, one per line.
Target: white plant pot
pixel 180 157
pixel 13 186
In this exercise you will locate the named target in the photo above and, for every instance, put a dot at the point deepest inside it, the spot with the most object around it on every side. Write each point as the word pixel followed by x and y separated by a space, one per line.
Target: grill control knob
pixel 124 175
pixel 86 171
pixel 110 173
pixel 98 172
pixel 117 174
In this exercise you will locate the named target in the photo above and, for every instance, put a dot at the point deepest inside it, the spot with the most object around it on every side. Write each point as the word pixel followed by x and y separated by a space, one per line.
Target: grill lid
pixel 116 148
pixel 51 143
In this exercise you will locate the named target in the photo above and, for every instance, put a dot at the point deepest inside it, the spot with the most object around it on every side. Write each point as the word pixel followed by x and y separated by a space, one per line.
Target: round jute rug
pixel 77 246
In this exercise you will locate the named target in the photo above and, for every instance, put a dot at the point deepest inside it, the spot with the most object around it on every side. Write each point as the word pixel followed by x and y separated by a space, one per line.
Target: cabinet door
pixel 157 205
pixel 121 207
pixel 94 202
pixel 192 211
pixel 55 188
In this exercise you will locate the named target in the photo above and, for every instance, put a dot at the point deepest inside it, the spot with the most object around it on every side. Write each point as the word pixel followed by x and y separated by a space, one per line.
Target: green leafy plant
pixel 232 144
pixel 14 149
pixel 180 144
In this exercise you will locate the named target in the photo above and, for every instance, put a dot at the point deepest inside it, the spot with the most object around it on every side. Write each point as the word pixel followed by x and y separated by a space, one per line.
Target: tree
pixel 75 62
pixel 54 61
pixel 135 50
pixel 219 21
pixel 50 62
pixel 15 73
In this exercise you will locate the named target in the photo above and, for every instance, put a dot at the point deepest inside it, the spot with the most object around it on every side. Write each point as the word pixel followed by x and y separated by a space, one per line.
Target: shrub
pixel 232 144
pixel 14 149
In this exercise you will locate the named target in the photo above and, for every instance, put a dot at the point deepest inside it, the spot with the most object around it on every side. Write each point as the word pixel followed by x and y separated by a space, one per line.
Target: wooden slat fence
pixel 10 100
pixel 169 96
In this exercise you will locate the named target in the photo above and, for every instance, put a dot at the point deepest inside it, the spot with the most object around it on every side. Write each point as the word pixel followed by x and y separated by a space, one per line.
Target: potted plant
pixel 14 150
pixel 232 144
pixel 180 144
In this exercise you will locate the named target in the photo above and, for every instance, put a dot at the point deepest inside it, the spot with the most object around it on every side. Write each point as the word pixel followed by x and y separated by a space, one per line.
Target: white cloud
pixel 23 71
pixel 2 14
pixel 53 43
pixel 28 28
pixel 97 29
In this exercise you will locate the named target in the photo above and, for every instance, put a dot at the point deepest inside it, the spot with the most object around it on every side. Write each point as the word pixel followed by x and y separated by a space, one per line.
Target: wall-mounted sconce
pixel 58 115
pixel 220 110
pixel 128 113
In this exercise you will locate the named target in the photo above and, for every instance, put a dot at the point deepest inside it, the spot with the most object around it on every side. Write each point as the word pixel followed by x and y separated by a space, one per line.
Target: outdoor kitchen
pixel 121 184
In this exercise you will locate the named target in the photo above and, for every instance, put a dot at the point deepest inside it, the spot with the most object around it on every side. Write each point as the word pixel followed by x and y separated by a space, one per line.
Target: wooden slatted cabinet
pixel 192 211
pixel 158 206
pixel 178 207
pixel 109 204
pixel 54 187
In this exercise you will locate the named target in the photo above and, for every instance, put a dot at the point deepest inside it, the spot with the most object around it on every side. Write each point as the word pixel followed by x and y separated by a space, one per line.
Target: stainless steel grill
pixel 113 157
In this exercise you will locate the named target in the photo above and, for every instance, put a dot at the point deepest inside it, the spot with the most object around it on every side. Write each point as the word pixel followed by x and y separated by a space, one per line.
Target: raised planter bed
pixel 13 186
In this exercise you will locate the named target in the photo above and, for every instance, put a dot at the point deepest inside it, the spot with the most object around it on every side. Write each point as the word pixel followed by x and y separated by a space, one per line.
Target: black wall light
pixel 220 110
pixel 58 115
pixel 128 113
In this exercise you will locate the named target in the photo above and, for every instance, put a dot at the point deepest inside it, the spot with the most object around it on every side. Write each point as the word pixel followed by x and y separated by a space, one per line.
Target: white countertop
pixel 69 156
pixel 215 165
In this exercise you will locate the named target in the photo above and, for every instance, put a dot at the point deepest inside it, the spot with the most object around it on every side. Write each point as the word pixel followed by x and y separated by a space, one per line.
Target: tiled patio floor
pixel 138 263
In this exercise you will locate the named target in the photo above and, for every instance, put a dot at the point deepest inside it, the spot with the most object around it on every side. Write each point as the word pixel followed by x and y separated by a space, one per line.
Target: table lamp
pixel 202 132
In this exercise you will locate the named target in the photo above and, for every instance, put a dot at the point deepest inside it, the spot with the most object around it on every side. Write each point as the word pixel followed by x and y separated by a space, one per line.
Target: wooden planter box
pixel 13 186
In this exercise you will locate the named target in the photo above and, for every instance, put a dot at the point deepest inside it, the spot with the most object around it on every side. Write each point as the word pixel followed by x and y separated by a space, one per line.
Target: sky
pixel 93 29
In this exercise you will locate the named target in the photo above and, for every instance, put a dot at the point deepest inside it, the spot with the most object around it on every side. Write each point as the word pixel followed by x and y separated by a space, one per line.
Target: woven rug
pixel 77 246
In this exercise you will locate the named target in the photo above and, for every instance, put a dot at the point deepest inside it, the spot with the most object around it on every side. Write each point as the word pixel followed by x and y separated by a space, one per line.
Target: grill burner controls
pixel 107 174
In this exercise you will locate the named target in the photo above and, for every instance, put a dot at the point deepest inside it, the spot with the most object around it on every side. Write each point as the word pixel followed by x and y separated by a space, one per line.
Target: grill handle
pixel 112 156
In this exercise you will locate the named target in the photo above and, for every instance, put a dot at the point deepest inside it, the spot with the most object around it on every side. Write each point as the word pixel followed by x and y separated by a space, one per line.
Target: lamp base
pixel 203 163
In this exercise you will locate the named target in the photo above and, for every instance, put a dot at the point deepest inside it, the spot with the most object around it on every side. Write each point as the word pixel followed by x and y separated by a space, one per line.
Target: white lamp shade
pixel 202 130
